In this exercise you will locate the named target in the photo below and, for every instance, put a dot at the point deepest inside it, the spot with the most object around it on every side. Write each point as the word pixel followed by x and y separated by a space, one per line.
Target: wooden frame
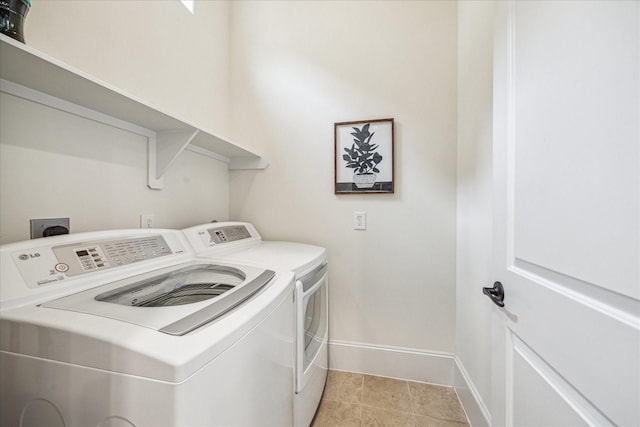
pixel 364 157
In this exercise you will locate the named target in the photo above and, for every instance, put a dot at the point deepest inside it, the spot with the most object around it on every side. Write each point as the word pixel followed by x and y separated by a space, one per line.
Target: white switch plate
pixel 359 220
pixel 147 220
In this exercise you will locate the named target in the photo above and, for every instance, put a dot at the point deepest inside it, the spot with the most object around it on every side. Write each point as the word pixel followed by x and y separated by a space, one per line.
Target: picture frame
pixel 364 156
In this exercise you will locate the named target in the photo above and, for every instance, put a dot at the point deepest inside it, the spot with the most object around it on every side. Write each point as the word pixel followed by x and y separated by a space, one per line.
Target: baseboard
pixel 392 362
pixel 413 365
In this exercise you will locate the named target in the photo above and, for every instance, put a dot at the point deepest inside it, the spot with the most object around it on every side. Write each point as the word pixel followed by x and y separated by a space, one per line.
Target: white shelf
pixel 33 75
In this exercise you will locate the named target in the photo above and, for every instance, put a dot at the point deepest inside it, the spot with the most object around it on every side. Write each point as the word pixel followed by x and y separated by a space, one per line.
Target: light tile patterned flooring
pixel 359 400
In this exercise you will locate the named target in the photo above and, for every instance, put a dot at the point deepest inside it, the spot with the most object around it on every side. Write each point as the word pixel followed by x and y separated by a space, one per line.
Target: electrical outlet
pixel 49 227
pixel 359 220
pixel 147 220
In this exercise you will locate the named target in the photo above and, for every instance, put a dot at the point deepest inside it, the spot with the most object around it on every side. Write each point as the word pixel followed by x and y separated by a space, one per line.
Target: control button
pixel 61 267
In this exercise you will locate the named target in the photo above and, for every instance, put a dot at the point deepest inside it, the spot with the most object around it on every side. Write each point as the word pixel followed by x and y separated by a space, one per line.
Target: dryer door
pixel 311 324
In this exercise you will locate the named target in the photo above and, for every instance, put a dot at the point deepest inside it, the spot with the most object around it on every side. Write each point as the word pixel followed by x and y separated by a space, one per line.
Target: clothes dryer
pixel 239 242
pixel 128 328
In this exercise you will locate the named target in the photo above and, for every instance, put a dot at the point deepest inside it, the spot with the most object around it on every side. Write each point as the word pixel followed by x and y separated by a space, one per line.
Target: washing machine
pixel 240 242
pixel 128 328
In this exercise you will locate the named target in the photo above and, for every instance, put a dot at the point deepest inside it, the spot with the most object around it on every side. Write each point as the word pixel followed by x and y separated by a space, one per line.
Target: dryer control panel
pixel 229 233
pixel 221 236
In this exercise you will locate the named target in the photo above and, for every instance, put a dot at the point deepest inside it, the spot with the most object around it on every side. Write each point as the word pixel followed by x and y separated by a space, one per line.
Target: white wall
pixel 54 164
pixel 475 203
pixel 155 50
pixel 299 67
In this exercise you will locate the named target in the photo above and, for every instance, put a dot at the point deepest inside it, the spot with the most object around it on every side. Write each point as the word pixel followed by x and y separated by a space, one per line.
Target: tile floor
pixel 352 399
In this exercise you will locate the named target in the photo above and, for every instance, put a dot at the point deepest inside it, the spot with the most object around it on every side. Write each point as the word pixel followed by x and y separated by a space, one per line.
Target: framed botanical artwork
pixel 364 156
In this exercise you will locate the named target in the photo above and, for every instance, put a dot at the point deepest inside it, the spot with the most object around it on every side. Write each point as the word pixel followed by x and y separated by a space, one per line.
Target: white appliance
pixel 128 328
pixel 239 242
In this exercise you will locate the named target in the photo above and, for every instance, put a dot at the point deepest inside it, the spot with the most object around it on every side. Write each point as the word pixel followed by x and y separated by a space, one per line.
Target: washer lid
pixel 173 300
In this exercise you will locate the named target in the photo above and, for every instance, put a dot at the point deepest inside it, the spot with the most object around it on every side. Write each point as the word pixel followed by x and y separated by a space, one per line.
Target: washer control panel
pixel 91 257
pixel 100 255
pixel 41 266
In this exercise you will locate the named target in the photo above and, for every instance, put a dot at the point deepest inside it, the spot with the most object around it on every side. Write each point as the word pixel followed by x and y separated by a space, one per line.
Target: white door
pixel 567 215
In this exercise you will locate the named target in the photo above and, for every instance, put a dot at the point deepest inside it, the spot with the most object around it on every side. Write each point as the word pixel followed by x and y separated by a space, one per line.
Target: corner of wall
pixel 472 402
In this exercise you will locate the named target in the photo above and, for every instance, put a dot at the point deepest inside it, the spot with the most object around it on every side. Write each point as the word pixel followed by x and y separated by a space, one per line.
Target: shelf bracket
pixel 248 163
pixel 164 149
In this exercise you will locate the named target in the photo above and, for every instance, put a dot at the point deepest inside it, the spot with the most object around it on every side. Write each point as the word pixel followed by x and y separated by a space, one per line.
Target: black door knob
pixel 496 294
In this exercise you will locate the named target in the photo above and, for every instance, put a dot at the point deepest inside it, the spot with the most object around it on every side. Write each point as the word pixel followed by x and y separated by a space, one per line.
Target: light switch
pixel 359 220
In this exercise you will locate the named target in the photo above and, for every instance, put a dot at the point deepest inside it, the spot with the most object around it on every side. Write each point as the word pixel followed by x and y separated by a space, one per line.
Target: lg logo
pixel 24 257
